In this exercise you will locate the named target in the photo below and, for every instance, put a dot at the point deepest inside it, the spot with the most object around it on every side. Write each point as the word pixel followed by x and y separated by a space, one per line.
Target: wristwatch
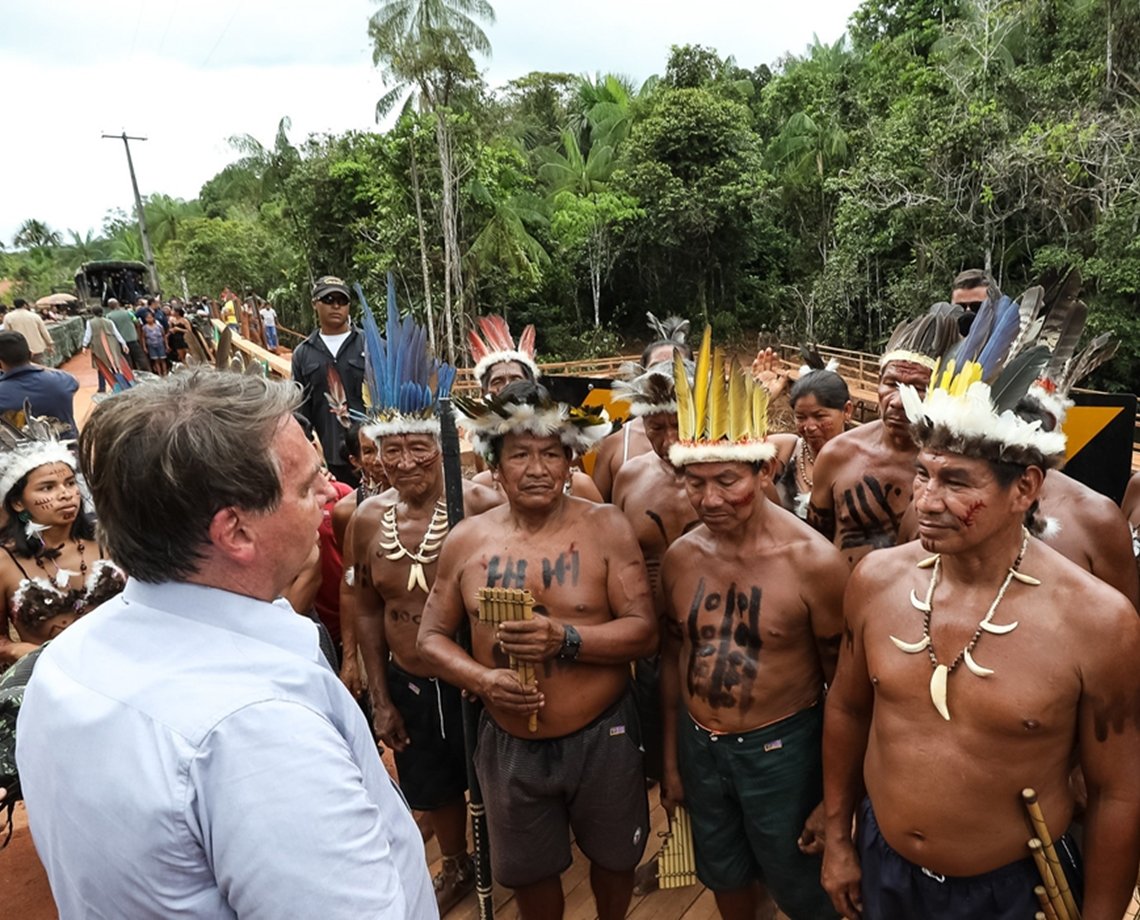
pixel 571 644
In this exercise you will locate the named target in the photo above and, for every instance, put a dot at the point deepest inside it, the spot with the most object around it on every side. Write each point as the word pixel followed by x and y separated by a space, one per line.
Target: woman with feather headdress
pixel 48 535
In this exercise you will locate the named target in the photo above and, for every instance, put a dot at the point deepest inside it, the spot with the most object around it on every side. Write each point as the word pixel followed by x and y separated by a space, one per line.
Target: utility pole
pixel 147 252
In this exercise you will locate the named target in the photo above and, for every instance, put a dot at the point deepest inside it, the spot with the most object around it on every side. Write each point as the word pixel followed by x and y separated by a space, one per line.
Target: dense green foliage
pixel 825 196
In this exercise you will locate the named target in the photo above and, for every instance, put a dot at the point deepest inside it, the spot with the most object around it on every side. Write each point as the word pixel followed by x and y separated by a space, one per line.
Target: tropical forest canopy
pixel 822 196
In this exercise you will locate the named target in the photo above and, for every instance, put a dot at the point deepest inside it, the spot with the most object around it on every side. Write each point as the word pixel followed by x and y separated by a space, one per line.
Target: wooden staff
pixel 1041 832
pixel 453 485
pixel 499 604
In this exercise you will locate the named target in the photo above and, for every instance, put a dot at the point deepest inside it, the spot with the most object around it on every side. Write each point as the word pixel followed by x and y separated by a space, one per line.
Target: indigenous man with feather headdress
pixel 631 441
pixel 861 483
pixel 752 631
pixel 977 664
pixel 1077 521
pixel 578 763
pixel 396 539
pixel 499 362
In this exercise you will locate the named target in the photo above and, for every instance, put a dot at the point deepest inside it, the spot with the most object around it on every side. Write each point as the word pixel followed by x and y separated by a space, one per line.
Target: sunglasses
pixel 338 299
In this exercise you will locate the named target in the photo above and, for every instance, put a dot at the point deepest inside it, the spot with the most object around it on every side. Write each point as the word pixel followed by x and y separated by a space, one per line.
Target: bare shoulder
pixel 631 471
pixel 373 508
pixel 1092 607
pixel 594 514
pixel 486 478
pixel 884 567
pixel 479 498
pixel 684 547
pixel 1100 507
pixel 608 447
pixel 785 444
pixel 811 551
pixel 839 449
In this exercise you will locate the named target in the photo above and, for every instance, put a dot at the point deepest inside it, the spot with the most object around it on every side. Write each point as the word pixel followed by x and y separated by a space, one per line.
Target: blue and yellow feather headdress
pixel 404 380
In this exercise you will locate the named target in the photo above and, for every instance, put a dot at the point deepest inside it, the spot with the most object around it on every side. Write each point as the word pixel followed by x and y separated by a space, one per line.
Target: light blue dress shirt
pixel 187 752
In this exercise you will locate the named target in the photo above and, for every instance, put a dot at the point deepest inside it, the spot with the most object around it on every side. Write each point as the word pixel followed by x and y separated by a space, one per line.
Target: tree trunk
pixel 1108 46
pixel 415 174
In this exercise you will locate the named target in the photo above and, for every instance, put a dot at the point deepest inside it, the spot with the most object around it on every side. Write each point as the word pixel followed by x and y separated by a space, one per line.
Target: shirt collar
pixel 23 369
pixel 276 622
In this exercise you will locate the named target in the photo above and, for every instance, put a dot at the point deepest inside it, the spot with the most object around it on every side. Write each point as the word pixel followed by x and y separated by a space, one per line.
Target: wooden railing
pixel 277 365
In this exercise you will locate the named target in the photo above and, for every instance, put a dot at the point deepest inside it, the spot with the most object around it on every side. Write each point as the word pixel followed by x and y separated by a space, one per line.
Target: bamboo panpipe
pixel 676 867
pixel 499 604
pixel 1046 907
pixel 1051 889
pixel 1049 852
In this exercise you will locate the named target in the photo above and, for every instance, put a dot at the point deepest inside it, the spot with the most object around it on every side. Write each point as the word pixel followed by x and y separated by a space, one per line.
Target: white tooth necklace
pixel 428 550
pixel 942 672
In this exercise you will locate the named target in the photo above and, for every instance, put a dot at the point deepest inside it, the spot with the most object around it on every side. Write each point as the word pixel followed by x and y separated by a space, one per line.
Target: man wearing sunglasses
pixel 329 365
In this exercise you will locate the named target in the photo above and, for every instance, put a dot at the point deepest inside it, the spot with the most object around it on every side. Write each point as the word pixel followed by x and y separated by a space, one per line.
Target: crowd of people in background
pixel 690 628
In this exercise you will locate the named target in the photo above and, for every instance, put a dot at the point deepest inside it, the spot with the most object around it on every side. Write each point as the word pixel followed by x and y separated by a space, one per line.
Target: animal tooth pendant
pixel 918 604
pixel 975 668
pixel 927 562
pixel 416 578
pixel 938 690
pixel 911 648
pixel 1026 579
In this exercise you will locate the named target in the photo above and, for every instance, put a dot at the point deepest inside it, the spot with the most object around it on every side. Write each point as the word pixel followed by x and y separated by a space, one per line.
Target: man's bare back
pixel 758 622
pixel 623 445
pixel 862 487
pixel 1093 532
pixel 583 569
pixel 651 495
pixel 1011 729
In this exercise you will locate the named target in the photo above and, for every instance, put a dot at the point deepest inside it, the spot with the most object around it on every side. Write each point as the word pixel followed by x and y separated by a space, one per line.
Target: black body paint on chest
pixel 509 574
pixel 871 519
pixel 733 644
pixel 558 570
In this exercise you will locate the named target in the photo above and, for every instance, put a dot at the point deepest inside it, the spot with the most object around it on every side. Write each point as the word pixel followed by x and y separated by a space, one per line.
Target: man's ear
pixel 1027 488
pixel 230 535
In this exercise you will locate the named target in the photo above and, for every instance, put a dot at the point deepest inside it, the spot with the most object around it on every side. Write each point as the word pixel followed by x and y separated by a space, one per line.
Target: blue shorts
pixel 748 796
pixel 896 889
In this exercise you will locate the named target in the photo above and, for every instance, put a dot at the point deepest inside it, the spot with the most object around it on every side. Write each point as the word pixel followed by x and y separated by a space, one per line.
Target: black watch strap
pixel 571 644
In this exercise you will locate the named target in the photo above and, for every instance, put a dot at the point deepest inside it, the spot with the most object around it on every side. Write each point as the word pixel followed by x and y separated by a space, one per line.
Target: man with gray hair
pixel 189 753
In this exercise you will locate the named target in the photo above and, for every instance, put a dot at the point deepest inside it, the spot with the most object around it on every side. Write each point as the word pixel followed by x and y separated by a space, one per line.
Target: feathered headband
pixel 719 420
pixel 651 391
pixel 497 346
pixel 813 361
pixel 484 420
pixel 1059 328
pixel 404 380
pixel 925 339
pixel 28 442
pixel 671 329
pixel 971 404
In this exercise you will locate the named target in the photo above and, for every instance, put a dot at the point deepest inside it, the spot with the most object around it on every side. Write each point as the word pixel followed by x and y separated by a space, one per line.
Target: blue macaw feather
pixel 401 373
pixel 1007 324
pixel 971 346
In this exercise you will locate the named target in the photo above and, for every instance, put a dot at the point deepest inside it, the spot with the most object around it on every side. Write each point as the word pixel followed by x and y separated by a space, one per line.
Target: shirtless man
pixel 415 714
pixel 1083 526
pixel 582 766
pixel 752 629
pixel 631 439
pixel 931 757
pixel 492 381
pixel 863 478
pixel 650 492
pixel 363 455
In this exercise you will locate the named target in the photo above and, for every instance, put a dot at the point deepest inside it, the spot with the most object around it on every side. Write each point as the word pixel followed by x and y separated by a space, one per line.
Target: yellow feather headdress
pixel 719 419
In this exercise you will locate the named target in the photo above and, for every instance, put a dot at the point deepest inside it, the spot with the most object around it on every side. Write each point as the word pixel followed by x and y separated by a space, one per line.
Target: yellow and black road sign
pixel 590 392
pixel 1100 428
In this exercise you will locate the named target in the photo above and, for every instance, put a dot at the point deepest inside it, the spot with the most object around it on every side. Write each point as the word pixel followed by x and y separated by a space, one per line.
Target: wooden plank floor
pixel 693 903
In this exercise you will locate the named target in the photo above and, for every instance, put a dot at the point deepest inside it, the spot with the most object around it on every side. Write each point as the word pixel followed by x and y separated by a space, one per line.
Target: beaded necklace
pixel 63 576
pixel 942 672
pixel 801 463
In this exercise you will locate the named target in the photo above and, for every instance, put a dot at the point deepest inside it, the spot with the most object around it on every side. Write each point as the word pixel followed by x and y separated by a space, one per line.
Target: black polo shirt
pixel 311 362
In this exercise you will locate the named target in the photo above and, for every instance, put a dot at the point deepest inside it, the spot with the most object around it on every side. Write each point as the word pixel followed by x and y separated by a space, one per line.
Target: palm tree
pixel 505 241
pixel 35 234
pixel 570 169
pixel 86 248
pixel 427 46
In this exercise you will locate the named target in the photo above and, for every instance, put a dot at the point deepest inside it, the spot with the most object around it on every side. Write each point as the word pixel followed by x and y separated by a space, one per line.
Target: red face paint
pixel 968 520
pixel 744 501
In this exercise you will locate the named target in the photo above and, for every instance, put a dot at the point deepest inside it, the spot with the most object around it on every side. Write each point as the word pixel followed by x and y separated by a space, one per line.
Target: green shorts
pixel 748 796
